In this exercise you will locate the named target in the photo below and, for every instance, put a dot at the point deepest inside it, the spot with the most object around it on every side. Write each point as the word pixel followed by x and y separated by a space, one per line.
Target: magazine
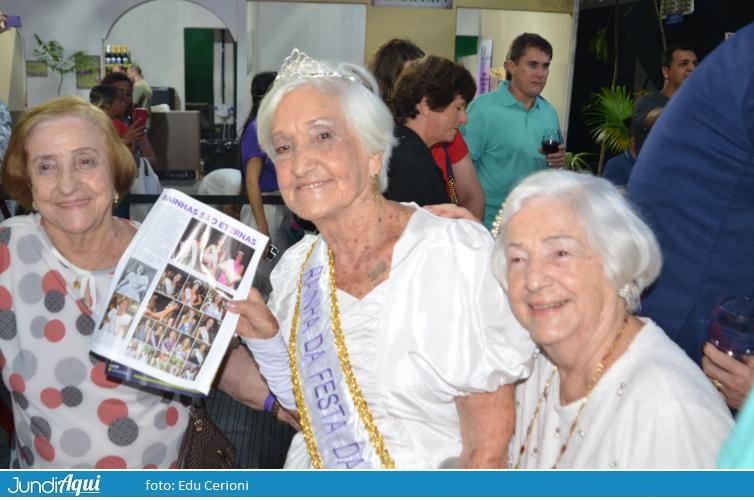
pixel 165 324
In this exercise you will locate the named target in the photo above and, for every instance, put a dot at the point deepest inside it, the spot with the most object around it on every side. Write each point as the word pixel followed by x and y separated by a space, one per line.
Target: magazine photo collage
pixel 185 311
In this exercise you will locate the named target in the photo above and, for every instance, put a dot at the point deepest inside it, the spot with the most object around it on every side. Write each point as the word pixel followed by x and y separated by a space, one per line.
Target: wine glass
pixel 732 327
pixel 551 141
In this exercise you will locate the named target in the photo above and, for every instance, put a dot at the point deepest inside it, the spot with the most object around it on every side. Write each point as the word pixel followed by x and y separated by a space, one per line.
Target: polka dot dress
pixel 67 413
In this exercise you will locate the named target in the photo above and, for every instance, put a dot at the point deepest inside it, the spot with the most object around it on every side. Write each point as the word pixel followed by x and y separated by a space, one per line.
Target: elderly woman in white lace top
pixel 404 349
pixel 609 388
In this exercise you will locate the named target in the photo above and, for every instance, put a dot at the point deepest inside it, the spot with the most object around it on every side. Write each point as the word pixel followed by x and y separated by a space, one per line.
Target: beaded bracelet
pixel 269 403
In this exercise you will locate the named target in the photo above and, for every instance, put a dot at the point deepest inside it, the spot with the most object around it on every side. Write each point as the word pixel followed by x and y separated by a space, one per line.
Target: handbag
pixel 145 182
pixel 204 445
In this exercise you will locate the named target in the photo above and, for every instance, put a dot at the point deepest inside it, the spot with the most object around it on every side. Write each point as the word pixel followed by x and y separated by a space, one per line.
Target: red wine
pixel 550 147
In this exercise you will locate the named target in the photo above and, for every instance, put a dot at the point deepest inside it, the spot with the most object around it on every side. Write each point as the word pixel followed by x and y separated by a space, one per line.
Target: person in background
pixel 111 100
pixel 618 168
pixel 610 389
pixel 431 350
pixel 142 92
pixel 428 103
pixel 5 129
pixel 678 62
pixel 136 132
pixel 8 207
pixel 390 60
pixel 258 169
pixel 505 127
pixel 259 177
pixel 693 181
pixel 451 157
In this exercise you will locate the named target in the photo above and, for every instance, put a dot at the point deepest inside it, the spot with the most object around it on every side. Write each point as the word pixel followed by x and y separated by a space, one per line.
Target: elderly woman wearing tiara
pixel 403 350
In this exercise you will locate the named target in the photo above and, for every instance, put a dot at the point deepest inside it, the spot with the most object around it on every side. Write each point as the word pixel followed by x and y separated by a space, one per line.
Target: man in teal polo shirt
pixel 505 127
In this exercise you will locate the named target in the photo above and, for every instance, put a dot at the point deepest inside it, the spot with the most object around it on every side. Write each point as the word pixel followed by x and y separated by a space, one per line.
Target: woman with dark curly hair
pixel 428 103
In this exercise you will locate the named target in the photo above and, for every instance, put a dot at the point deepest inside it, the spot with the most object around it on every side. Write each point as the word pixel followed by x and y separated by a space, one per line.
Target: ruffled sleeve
pixel 272 355
pixel 465 338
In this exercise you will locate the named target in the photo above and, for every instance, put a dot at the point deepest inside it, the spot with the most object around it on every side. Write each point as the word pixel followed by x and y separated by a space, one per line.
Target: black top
pixel 413 174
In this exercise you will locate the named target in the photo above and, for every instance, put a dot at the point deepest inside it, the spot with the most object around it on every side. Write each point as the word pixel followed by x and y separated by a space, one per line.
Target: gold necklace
pixel 353 387
pixel 543 397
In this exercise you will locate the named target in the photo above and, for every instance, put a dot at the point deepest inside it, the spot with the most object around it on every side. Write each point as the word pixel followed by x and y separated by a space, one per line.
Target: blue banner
pixel 255 483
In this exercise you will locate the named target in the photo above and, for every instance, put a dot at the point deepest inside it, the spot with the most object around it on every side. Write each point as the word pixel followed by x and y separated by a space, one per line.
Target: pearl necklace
pixel 543 397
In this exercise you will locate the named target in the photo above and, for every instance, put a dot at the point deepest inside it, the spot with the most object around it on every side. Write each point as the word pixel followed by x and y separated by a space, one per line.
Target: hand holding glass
pixel 551 141
pixel 732 327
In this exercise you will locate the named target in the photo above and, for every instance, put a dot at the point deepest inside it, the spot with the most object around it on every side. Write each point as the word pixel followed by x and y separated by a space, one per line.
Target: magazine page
pixel 165 323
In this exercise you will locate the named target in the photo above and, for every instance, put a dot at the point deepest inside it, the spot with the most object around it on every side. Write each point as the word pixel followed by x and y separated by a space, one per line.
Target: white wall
pixel 153 32
pixel 324 31
pixel 84 25
pixel 502 26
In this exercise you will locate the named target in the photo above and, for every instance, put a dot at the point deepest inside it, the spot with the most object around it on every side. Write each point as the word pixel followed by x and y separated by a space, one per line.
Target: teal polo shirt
pixel 738 452
pixel 504 141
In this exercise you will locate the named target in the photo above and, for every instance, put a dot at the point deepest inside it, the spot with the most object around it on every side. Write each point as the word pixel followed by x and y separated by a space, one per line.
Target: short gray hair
pixel 630 254
pixel 358 93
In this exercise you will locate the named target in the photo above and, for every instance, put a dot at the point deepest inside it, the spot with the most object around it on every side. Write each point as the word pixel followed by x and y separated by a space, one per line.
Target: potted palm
pixel 607 115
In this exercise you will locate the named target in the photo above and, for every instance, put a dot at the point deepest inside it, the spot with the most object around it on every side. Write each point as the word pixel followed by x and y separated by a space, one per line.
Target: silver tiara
pixel 298 65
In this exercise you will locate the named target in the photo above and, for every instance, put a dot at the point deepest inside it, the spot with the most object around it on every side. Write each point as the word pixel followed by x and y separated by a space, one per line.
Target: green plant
pixel 577 161
pixel 606 116
pixel 598 45
pixel 53 54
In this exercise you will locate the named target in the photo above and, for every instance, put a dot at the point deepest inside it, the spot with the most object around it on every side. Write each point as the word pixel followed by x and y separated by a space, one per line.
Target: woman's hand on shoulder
pixel 256 320
pixel 451 211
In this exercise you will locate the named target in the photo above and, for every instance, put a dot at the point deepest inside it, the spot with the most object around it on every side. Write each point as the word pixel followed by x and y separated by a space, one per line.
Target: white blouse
pixel 438 328
pixel 653 408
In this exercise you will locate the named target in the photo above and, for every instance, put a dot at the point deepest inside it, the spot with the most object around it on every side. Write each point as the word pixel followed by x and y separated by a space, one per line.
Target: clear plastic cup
pixel 732 327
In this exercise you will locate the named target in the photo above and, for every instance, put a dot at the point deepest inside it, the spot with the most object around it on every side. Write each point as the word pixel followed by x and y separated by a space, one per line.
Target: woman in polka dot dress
pixel 66 162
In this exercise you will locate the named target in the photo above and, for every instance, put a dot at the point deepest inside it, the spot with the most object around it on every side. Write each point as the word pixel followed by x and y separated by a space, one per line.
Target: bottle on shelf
pixel 126 55
pixel 108 54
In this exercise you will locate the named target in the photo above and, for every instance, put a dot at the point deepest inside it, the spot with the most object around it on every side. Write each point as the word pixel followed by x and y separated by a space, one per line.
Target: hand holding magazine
pixel 165 323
